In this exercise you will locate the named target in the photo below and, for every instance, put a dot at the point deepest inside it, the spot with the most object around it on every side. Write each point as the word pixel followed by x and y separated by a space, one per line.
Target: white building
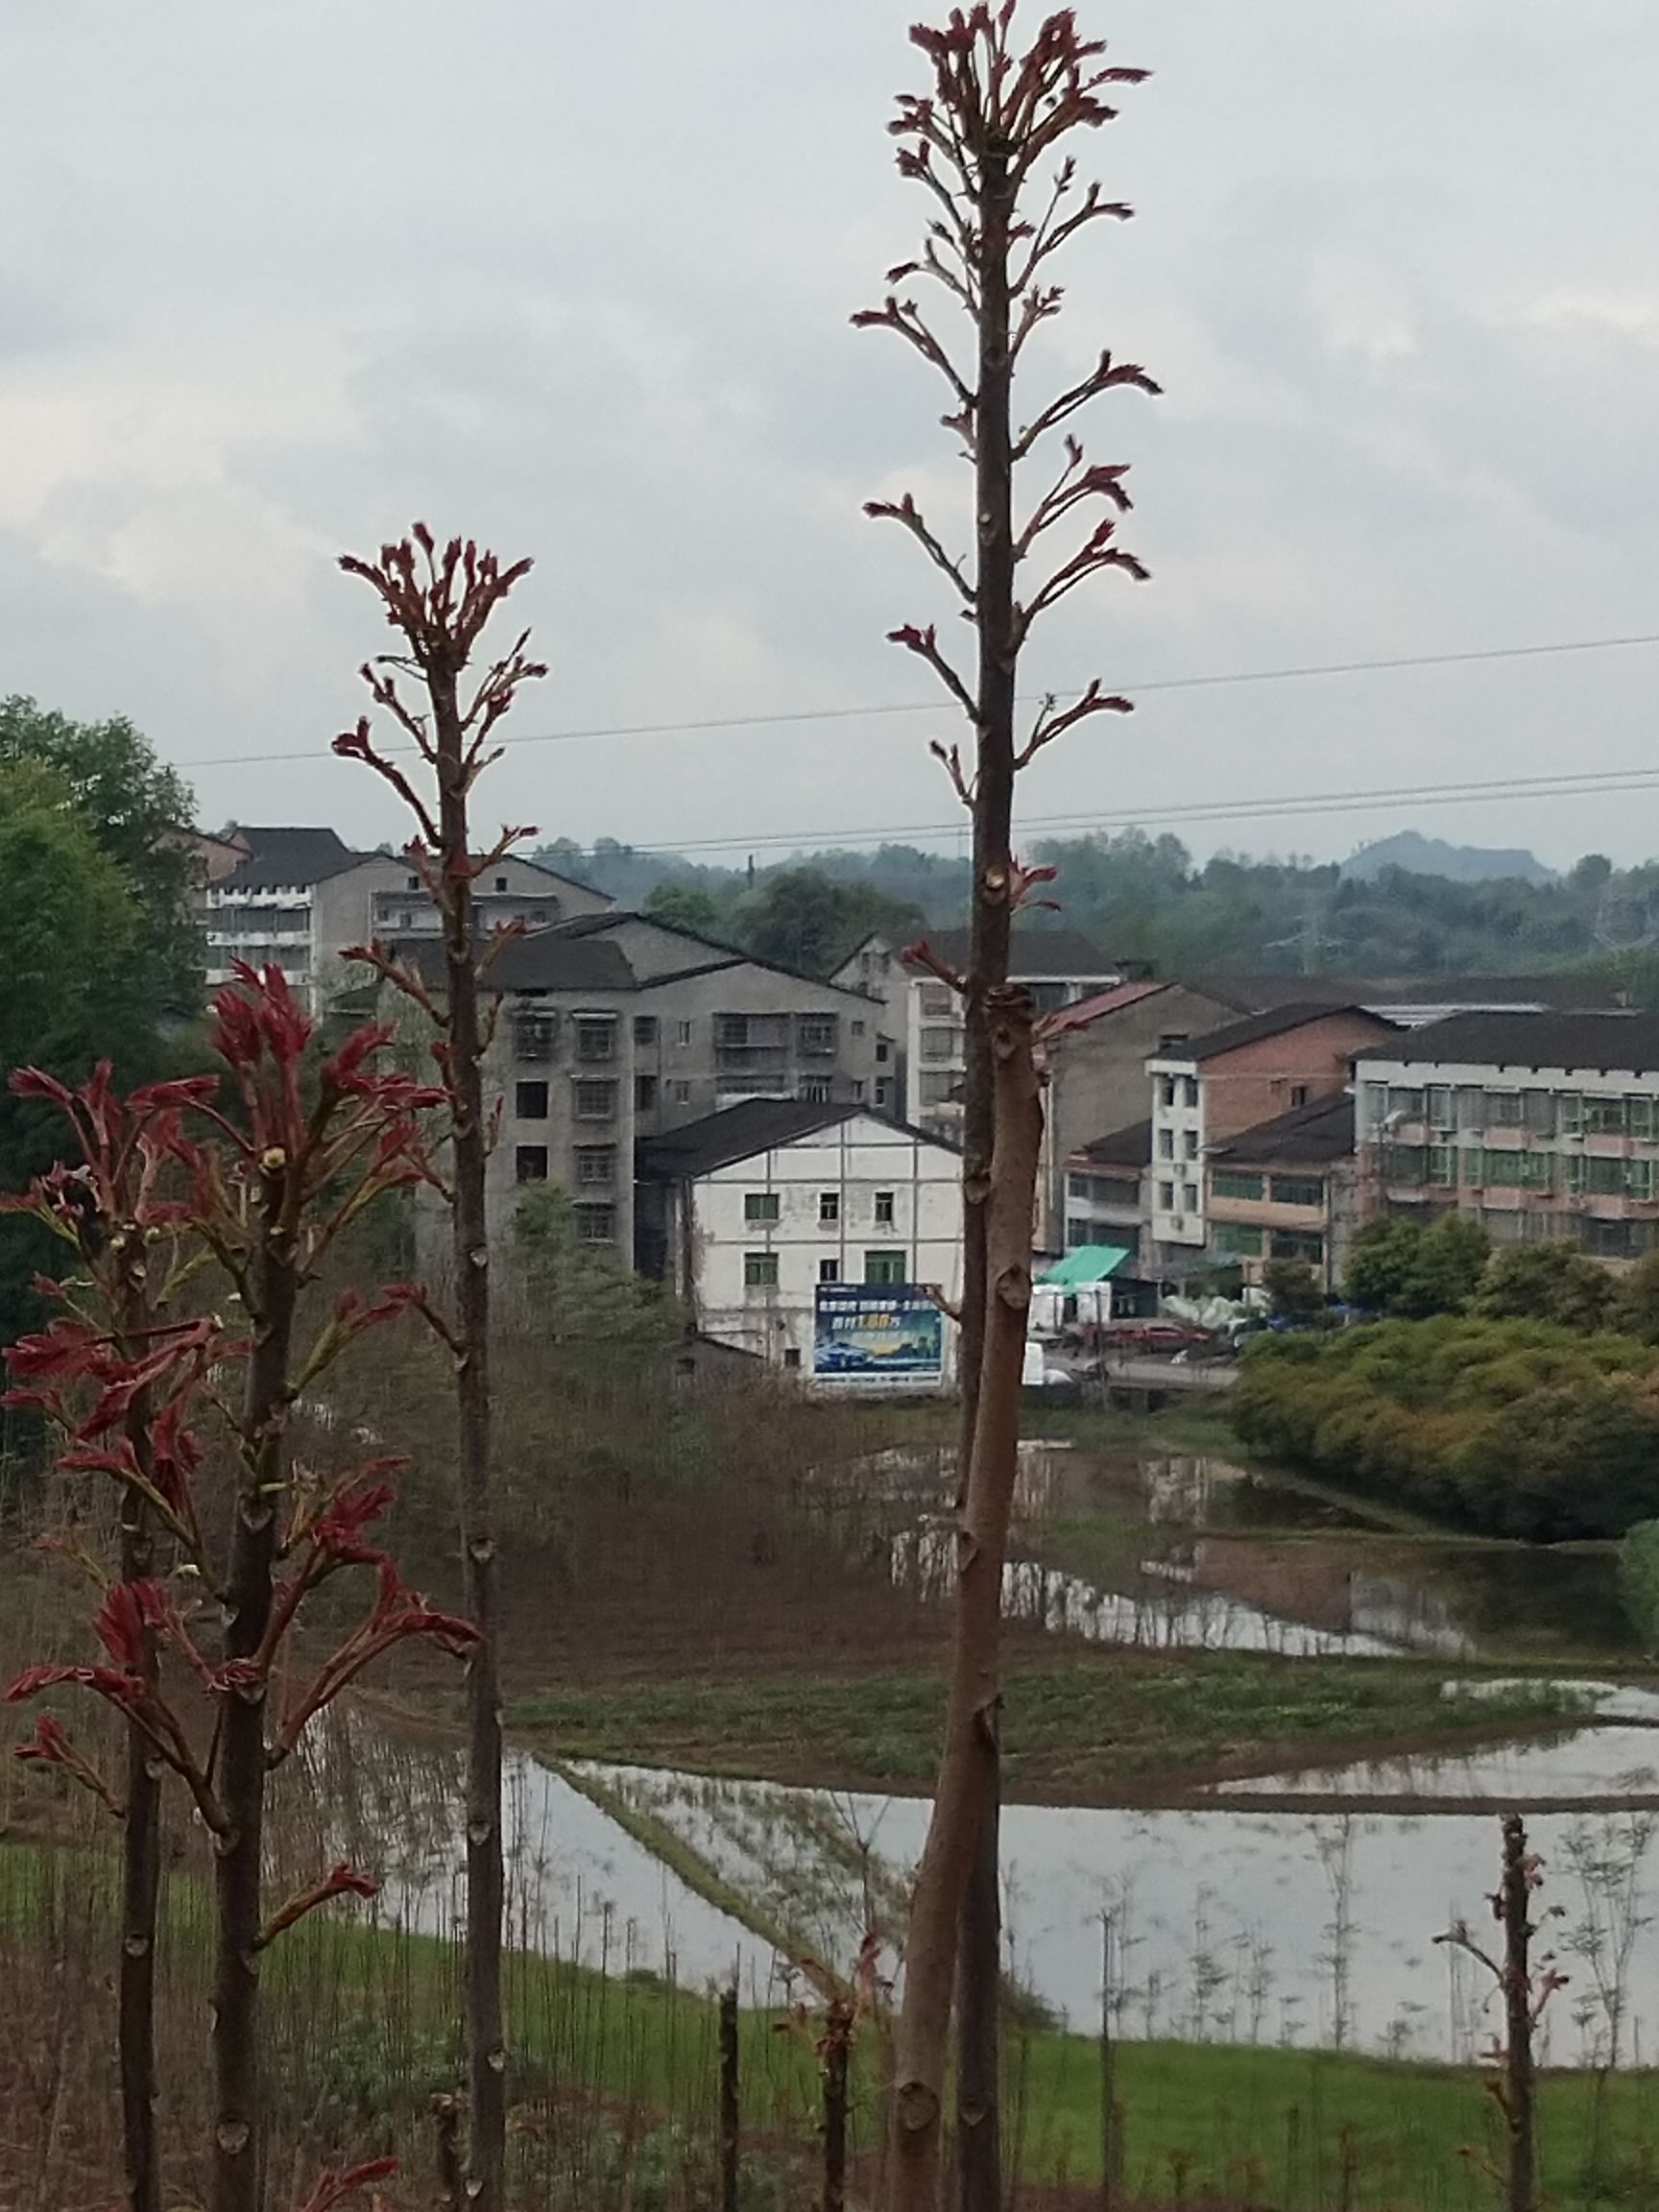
pixel 297 897
pixel 811 1234
pixel 1543 1126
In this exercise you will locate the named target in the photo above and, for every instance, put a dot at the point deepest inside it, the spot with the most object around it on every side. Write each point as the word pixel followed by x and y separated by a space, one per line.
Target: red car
pixel 1145 1337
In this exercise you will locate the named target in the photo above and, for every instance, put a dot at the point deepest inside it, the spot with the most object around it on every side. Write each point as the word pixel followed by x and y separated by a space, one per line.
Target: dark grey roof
pixel 754 1125
pixel 735 1133
pixel 1604 1041
pixel 289 856
pixel 1322 1131
pixel 720 955
pixel 1130 1147
pixel 1275 1021
pixel 1032 953
pixel 542 960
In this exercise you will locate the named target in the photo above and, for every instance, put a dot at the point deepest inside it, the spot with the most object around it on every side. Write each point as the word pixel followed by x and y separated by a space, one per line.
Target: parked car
pixel 1145 1337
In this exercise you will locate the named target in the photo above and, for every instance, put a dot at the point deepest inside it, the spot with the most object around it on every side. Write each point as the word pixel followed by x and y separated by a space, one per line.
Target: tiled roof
pixel 1628 1042
pixel 1130 1147
pixel 1032 953
pixel 1323 1131
pixel 1083 1011
pixel 737 1133
pixel 543 960
pixel 285 857
pixel 1276 1021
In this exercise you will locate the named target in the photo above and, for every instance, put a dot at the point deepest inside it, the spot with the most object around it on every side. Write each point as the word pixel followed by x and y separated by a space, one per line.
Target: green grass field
pixel 363 2029
pixel 1079 1730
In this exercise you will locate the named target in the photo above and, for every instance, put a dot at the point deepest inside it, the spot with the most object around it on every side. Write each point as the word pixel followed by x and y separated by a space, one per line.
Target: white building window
pixel 829 1270
pixel 828 1208
pixel 760 1206
pixel 759 1270
pixel 883 1209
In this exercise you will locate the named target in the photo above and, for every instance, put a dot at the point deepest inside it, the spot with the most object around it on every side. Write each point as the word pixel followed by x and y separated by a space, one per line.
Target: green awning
pixel 1089 1264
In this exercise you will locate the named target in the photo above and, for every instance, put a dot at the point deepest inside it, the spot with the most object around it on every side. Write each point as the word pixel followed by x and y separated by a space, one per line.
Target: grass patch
pixel 1083 1731
pixel 363 2025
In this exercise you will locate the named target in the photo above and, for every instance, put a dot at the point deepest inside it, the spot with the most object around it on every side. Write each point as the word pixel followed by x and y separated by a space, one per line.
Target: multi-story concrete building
pixel 615 1028
pixel 1208 1089
pixel 1107 1197
pixel 297 897
pixel 876 970
pixel 1542 1125
pixel 779 1223
pixel 1286 1189
pixel 1096 1050
pixel 1057 967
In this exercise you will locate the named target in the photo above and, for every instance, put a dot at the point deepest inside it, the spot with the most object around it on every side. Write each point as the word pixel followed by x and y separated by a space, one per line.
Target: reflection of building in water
pixel 1405 1613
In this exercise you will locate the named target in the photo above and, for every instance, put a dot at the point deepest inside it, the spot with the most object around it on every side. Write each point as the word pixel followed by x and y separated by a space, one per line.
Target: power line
pixel 1590 783
pixel 806 717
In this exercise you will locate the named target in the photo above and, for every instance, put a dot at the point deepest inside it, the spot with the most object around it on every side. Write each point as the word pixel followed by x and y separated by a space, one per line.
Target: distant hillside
pixel 1421 856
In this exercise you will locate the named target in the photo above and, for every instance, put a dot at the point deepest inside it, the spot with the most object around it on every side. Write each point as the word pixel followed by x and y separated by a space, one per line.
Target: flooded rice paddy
pixel 1295 1908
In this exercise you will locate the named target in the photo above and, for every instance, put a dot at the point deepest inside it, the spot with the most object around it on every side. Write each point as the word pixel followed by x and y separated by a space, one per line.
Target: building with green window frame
pixel 1285 1190
pixel 1543 1125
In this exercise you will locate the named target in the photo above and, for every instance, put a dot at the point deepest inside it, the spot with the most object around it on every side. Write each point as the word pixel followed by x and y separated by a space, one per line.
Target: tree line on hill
pixel 1147 899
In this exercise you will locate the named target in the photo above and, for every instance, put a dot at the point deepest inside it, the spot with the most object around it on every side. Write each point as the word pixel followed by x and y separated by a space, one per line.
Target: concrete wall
pixel 1196 1106
pixel 693 1076
pixel 1097 1082
pixel 856 1159
pixel 383 895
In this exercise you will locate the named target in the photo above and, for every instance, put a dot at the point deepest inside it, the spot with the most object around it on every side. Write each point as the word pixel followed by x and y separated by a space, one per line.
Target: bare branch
pixel 1051 723
pixel 1102 377
pixel 923 643
pixel 902 316
pixel 960 782
pixel 908 515
pixel 923 955
pixel 1089 559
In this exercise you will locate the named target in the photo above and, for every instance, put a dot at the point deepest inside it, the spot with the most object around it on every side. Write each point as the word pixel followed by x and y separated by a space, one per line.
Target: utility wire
pixel 1563 786
pixel 809 716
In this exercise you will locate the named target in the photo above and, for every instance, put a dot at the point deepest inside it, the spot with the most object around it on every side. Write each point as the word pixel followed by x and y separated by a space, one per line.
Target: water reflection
pixel 1286 1927
pixel 1168 1550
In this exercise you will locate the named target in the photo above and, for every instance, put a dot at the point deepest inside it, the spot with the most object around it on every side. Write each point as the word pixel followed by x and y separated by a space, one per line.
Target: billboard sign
pixel 877 1331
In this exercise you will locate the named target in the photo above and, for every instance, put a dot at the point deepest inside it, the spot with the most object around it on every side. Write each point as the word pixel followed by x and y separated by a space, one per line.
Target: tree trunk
pixel 966 1766
pixel 238 2134
pixel 140 1891
pixel 1519 2084
pixel 486 1883
pixel 978 2046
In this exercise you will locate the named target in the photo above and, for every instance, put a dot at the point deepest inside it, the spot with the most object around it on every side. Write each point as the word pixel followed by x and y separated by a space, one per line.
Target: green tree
pixel 67 924
pixel 1295 1289
pixel 576 1294
pixel 1400 1267
pixel 1546 1282
pixel 140 812
pixel 687 907
pixel 1635 1304
pixel 801 919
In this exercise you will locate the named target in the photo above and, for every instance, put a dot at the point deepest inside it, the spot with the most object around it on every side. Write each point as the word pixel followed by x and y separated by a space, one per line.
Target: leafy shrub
pixel 1518 1428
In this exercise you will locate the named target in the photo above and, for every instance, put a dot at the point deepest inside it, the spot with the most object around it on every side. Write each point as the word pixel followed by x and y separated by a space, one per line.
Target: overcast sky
pixel 574 275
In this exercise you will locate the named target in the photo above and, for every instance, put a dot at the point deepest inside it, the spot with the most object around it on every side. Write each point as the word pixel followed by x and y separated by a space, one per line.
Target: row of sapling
pixel 984 143
pixel 172 1189
pixel 182 1345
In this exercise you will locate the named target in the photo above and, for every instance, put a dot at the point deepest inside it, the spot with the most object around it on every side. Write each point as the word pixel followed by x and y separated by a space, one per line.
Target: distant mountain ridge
pixel 1419 855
